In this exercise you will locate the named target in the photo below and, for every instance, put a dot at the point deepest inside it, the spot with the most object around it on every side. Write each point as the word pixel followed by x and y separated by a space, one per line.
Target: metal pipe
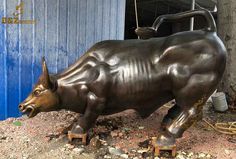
pixel 136 14
pixel 192 19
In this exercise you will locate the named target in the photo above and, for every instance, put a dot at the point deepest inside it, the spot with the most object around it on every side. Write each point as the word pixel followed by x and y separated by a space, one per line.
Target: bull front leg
pixel 94 108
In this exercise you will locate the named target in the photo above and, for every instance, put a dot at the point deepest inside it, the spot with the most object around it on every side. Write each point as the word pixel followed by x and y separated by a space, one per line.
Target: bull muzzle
pixel 29 110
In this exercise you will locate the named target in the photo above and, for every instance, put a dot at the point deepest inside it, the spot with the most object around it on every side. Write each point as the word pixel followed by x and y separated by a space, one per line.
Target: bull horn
pixel 45 76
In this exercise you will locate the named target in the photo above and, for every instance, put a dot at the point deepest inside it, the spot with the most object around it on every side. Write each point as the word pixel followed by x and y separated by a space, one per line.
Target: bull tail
pixel 211 26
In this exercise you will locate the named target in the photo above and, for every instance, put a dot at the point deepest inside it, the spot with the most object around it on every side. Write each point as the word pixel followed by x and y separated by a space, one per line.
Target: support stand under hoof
pixel 72 136
pixel 159 148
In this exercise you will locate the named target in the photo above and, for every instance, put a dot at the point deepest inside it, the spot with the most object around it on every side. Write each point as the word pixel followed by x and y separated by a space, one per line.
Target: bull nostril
pixel 21 107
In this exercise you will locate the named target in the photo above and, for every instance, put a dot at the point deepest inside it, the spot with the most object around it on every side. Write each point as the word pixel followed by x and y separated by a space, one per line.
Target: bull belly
pixel 140 102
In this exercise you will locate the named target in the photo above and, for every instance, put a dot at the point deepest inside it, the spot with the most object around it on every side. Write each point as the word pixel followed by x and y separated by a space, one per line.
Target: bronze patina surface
pixel 116 75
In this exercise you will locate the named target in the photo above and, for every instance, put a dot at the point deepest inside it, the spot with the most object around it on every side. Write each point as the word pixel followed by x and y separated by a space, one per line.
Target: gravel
pixel 120 136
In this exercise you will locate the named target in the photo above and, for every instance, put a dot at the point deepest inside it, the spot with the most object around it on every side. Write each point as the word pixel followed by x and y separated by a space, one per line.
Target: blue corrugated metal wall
pixel 64 30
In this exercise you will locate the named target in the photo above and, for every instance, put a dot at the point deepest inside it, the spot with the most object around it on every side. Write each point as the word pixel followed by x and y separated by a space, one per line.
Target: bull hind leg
pixel 181 123
pixel 190 100
pixel 173 112
pixel 185 118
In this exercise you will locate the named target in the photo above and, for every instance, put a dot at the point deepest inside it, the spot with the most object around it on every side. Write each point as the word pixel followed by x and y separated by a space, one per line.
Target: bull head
pixel 44 97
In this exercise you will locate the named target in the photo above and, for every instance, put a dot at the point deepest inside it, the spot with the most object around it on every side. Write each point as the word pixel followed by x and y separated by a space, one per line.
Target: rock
pixel 103 135
pixel 126 129
pixel 114 151
pixel 78 150
pixel 227 152
pixel 184 153
pixel 63 149
pixel 190 154
pixel 106 156
pixel 120 134
pixel 142 151
pixel 133 150
pixel 144 144
pixel 124 156
pixel 145 155
pixel 69 146
pixel 95 142
pixel 140 135
pixel 47 139
pixel 114 134
pixel 2 137
pixel 180 156
pixel 12 156
pixel 141 127
pixel 25 156
pixel 208 156
pixel 86 155
pixel 201 155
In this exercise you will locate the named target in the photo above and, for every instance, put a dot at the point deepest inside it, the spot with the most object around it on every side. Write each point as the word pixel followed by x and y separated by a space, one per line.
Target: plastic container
pixel 219 102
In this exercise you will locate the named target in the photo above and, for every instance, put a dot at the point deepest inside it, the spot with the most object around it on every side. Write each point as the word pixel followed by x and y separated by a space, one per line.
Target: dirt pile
pixel 124 135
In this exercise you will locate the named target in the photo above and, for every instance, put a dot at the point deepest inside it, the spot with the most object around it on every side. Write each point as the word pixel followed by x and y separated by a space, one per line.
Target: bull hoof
pixel 166 140
pixel 72 136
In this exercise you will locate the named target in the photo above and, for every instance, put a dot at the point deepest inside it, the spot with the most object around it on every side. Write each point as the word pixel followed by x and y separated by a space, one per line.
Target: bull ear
pixel 45 76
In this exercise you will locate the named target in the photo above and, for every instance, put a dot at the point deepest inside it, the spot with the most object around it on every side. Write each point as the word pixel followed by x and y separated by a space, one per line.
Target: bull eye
pixel 37 93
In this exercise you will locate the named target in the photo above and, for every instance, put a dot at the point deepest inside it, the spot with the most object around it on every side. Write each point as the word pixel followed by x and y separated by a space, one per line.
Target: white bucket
pixel 219 102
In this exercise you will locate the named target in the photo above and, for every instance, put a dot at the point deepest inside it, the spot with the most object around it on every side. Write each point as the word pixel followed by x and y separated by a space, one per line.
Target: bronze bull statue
pixel 116 75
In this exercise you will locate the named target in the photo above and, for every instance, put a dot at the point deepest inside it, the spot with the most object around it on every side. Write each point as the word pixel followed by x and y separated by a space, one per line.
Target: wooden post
pixel 227 31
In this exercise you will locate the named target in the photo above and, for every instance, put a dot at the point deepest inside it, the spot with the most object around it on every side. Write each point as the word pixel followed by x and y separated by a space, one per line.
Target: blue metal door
pixel 60 30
